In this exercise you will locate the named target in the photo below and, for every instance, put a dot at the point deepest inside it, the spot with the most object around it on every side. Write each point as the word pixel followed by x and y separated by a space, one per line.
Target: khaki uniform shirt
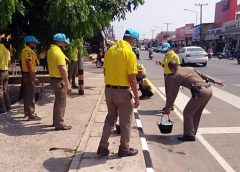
pixel 185 76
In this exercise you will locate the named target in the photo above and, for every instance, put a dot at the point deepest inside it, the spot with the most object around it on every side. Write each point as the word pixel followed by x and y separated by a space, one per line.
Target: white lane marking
pixel 135 110
pixel 227 97
pixel 150 170
pixel 139 124
pixel 219 130
pixel 164 99
pixel 237 85
pixel 210 149
pixel 181 100
pixel 144 143
pixel 215 154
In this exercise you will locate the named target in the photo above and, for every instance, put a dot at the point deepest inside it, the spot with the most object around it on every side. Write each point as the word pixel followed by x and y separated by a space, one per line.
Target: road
pixel 217 147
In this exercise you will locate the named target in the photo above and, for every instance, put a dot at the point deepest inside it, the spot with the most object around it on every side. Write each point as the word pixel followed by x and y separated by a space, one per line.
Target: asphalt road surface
pixel 217 148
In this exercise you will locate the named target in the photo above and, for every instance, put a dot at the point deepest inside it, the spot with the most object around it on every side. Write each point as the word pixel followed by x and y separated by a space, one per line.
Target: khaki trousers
pixel 120 104
pixel 72 71
pixel 4 97
pixel 167 79
pixel 193 111
pixel 29 95
pixel 59 107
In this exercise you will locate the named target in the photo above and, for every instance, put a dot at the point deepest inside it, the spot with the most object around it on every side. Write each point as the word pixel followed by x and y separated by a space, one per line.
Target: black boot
pixel 129 152
pixel 187 138
pixel 103 151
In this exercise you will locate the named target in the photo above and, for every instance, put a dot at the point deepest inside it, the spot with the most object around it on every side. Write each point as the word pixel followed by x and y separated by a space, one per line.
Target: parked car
pixel 154 49
pixel 142 48
pixel 159 49
pixel 193 55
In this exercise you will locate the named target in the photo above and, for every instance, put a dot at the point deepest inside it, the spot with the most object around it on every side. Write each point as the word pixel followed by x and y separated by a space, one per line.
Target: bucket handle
pixel 169 120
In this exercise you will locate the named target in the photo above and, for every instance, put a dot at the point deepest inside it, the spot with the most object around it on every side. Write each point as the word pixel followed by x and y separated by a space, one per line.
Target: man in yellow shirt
pixel 120 69
pixel 29 63
pixel 170 55
pixel 73 66
pixel 141 72
pixel 4 63
pixel 59 79
pixel 147 89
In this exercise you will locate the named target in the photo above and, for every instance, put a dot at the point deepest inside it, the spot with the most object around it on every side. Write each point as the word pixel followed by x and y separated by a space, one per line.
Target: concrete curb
pixel 83 143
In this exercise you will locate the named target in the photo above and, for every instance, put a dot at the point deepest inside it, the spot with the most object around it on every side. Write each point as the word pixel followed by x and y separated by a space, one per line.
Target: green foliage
pixel 8 8
pixel 78 19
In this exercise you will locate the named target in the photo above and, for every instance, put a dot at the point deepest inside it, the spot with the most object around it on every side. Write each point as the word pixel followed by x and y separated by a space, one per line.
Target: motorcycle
pixel 99 63
pixel 238 60
pixel 150 56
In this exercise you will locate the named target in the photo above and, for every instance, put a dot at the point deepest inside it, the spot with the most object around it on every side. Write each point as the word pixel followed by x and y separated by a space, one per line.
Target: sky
pixel 154 13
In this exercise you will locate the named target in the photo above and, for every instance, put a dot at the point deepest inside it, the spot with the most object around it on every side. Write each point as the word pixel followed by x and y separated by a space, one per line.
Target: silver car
pixel 193 55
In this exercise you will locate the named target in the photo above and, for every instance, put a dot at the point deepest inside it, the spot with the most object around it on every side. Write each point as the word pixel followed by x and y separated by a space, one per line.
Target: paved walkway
pixel 34 146
pixel 87 160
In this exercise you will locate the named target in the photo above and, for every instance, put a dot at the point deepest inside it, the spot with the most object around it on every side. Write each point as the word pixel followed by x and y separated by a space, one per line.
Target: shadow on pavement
pixel 164 139
pixel 57 164
pixel 90 159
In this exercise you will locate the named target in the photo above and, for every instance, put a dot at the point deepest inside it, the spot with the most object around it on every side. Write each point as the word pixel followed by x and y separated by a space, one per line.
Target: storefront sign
pixel 231 26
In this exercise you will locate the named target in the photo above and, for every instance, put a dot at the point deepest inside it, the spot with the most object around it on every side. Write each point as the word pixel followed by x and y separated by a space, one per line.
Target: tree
pixel 8 8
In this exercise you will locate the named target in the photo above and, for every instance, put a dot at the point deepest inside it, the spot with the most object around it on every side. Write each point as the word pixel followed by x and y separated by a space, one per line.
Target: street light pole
pixel 196 13
pixel 167 28
pixel 201 6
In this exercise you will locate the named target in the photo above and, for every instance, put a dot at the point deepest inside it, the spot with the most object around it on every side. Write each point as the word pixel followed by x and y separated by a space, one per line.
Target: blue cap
pixel 61 37
pixel 132 33
pixel 165 46
pixel 31 39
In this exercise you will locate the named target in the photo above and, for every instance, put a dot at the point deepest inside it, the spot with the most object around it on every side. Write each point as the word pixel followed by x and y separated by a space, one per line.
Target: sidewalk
pixel 34 146
pixel 86 159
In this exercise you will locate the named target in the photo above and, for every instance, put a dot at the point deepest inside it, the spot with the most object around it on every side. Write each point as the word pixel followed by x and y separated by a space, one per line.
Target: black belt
pixel 3 70
pixel 55 78
pixel 117 87
pixel 168 74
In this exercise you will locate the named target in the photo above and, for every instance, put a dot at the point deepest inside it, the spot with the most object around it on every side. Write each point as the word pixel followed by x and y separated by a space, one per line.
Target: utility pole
pixel 167 28
pixel 152 35
pixel 201 7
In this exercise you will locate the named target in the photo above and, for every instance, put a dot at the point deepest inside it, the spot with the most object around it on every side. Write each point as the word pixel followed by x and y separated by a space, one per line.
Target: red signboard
pixel 183 32
pixel 225 11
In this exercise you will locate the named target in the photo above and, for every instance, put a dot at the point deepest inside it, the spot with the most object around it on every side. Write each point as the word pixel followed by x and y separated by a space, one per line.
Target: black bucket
pixel 165 127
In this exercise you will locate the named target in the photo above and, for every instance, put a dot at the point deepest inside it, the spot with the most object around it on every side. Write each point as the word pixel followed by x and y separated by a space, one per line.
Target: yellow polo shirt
pixel 74 54
pixel 56 58
pixel 147 83
pixel 171 55
pixel 5 57
pixel 119 62
pixel 29 54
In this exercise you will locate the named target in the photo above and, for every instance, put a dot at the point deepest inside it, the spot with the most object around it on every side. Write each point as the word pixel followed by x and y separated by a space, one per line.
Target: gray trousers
pixel 4 97
pixel 193 111
pixel 59 107
pixel 29 95
pixel 120 104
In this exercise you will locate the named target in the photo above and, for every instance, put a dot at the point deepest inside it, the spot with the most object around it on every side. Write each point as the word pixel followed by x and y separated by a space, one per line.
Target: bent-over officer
pixel 5 59
pixel 169 56
pixel 59 79
pixel 198 84
pixel 120 69
pixel 29 63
